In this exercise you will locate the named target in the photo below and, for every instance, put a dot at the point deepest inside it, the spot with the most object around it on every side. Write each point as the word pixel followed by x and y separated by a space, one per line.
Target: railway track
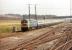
pixel 39 40
pixel 59 42
pixel 63 40
pixel 65 46
pixel 45 36
pixel 35 40
pixel 24 38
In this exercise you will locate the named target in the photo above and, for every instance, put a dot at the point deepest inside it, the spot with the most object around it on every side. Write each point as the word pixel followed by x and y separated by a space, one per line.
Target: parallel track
pixel 40 40
pixel 65 46
pixel 62 33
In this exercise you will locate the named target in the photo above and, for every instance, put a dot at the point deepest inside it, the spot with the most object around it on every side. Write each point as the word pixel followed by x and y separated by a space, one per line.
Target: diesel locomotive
pixel 28 24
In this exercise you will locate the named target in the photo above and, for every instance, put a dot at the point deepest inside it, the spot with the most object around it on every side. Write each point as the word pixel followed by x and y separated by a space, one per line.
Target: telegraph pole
pixel 36 15
pixel 44 22
pixel 29 10
pixel 70 10
pixel 70 7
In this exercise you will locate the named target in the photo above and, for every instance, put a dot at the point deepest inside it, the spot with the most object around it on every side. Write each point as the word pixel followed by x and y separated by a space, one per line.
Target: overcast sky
pixel 50 7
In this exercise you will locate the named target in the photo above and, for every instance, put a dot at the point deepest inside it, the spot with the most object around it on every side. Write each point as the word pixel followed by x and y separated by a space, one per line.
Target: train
pixel 29 24
pixel 69 20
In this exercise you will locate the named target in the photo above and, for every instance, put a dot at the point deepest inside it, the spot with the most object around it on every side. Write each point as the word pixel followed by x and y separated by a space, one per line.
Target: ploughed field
pixel 58 37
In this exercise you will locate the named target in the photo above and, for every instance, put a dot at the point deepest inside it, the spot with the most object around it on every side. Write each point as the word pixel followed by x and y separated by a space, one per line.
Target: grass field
pixel 6 26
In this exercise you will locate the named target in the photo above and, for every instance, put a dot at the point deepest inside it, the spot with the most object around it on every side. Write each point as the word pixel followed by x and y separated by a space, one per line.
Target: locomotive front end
pixel 24 25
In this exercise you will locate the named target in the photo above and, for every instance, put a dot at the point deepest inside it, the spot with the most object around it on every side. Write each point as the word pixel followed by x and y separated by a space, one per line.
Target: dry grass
pixel 6 26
